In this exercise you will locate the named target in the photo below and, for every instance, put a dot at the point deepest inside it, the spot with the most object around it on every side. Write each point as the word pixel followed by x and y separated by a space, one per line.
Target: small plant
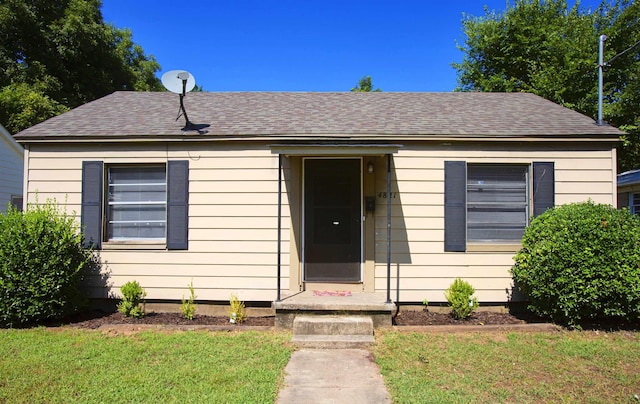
pixel 132 303
pixel 461 301
pixel 425 302
pixel 236 312
pixel 188 307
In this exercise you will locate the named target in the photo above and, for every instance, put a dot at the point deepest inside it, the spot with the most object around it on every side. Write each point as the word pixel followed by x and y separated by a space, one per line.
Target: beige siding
pixel 233 216
pixel 232 219
pixel 420 268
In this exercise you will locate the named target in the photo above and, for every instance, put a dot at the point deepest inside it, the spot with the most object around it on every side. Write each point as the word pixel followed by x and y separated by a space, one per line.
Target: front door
pixel 332 215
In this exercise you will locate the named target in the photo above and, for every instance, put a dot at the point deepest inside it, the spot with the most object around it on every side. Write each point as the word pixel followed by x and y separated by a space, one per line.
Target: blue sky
pixel 304 45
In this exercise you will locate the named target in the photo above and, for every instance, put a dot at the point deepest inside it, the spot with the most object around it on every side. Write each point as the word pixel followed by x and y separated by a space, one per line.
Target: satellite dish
pixel 178 81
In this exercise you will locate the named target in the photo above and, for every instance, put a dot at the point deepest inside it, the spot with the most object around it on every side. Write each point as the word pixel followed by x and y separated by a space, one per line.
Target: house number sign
pixel 383 195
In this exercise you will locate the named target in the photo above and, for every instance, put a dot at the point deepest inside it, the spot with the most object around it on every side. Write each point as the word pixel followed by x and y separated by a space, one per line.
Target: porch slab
pixel 373 305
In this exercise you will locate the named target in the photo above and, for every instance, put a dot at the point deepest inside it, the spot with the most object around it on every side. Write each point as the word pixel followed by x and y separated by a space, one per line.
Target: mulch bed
pixel 477 318
pixel 413 318
pixel 96 319
pixel 93 320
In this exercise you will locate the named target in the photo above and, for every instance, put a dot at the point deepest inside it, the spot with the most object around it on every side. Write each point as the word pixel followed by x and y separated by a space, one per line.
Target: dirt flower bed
pixel 94 320
pixel 413 318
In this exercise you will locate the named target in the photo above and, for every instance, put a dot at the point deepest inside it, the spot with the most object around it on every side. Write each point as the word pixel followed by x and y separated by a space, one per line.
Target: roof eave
pixel 316 137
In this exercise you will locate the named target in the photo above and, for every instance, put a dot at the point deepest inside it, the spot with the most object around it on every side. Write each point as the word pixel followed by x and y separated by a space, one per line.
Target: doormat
pixel 331 293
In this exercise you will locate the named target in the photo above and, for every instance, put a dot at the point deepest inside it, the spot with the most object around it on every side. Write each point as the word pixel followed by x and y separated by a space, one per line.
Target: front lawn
pixel 69 365
pixel 72 365
pixel 510 367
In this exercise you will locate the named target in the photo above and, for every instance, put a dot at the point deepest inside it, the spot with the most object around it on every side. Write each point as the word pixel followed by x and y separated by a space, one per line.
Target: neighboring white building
pixel 629 190
pixel 11 170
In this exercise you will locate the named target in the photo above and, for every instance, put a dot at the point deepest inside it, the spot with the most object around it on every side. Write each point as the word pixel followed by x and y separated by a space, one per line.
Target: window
pixel 497 202
pixel 491 203
pixel 634 202
pixel 16 201
pixel 136 203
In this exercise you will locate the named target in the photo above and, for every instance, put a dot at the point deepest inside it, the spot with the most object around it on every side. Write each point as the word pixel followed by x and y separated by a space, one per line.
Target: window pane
pixel 496 202
pixel 137 213
pixel 136 175
pixel 137 193
pixel 635 203
pixel 135 230
pixel 137 203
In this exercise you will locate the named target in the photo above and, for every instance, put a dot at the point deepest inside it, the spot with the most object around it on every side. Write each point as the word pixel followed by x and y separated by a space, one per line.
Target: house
pixel 629 190
pixel 11 168
pixel 264 194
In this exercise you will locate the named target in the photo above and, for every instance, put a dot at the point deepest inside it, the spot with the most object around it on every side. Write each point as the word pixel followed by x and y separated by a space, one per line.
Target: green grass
pixel 69 365
pixel 510 367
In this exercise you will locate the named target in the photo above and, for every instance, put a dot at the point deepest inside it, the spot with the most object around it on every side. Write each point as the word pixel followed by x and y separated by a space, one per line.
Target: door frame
pixel 361 218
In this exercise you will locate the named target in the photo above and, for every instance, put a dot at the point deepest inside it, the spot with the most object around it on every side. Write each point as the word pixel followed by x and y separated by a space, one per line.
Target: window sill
pixel 490 247
pixel 134 245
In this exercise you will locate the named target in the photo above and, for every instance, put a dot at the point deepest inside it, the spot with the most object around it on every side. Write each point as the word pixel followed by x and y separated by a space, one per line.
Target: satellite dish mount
pixel 180 82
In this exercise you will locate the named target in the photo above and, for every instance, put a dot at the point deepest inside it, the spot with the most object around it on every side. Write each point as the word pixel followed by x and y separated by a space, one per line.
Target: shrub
pixel 188 307
pixel 581 262
pixel 459 296
pixel 42 264
pixel 132 303
pixel 236 311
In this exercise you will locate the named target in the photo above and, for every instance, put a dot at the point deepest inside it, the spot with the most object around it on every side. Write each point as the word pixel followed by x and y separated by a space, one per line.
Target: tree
pixel 23 105
pixel 365 86
pixel 549 49
pixel 621 23
pixel 62 54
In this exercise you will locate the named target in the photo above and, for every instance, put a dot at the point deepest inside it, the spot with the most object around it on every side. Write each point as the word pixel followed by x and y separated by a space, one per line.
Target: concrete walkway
pixel 332 376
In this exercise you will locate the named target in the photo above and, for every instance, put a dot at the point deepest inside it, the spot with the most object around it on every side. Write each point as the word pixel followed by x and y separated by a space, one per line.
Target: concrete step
pixel 332 331
pixel 332 325
pixel 333 341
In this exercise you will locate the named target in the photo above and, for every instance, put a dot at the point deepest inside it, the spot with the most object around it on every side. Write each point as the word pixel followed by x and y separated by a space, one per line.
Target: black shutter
pixel 178 205
pixel 91 213
pixel 543 187
pixel 455 209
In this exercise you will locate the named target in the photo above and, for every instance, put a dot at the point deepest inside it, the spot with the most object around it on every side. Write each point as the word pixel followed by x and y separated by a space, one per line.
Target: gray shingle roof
pixel 320 115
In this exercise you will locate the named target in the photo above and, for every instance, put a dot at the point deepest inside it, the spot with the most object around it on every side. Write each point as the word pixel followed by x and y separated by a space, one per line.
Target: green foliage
pixel 365 86
pixel 42 263
pixel 580 262
pixel 132 303
pixel 459 297
pixel 621 23
pixel 236 310
pixel 62 54
pixel 23 105
pixel 551 50
pixel 188 307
